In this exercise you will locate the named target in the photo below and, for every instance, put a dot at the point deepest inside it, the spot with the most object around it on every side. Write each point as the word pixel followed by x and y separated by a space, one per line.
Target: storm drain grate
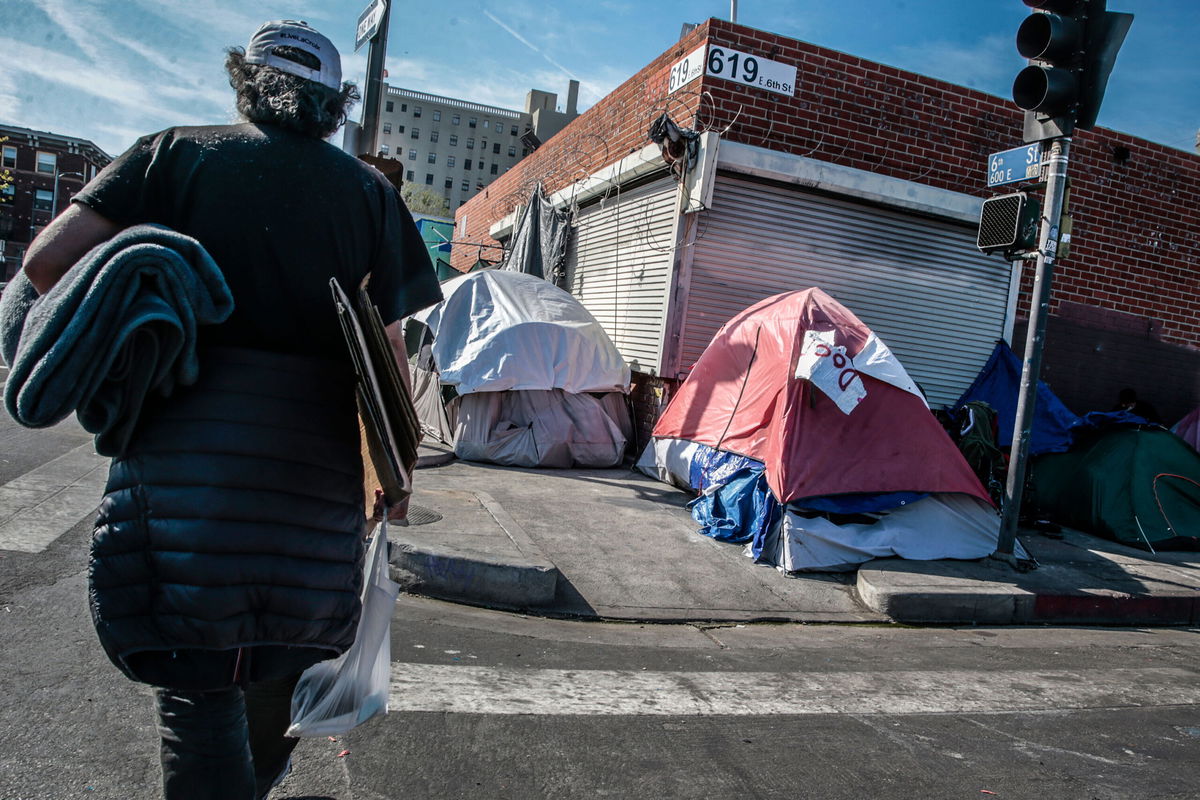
pixel 420 515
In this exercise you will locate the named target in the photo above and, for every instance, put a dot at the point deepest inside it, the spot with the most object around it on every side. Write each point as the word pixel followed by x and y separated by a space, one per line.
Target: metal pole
pixel 377 51
pixel 733 11
pixel 1056 185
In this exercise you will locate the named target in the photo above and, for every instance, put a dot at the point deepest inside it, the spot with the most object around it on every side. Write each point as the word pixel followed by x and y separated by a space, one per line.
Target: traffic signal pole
pixel 1048 243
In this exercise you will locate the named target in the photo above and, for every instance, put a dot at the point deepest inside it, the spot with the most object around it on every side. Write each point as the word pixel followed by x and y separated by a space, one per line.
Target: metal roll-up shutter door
pixel 919 283
pixel 619 263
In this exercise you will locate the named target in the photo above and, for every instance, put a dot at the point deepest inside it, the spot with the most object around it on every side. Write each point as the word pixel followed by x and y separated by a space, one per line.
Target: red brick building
pixel 47 169
pixel 867 181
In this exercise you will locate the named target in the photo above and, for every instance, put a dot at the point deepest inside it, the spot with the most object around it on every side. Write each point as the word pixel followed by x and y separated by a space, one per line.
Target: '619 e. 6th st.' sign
pixel 745 68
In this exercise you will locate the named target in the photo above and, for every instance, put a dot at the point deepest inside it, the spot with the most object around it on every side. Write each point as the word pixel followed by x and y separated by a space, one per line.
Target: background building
pixel 456 147
pixel 867 181
pixel 47 169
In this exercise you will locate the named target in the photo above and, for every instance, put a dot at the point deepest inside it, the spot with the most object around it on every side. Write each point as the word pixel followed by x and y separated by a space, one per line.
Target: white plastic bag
pixel 336 695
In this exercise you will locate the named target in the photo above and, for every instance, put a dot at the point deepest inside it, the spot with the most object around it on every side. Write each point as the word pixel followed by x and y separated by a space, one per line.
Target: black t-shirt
pixel 281 213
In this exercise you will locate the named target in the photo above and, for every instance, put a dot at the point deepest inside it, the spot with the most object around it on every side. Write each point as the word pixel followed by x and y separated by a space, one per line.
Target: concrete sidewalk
pixel 614 544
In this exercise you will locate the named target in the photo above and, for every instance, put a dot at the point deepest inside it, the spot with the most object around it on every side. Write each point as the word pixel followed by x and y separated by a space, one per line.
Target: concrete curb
pixel 526 581
pixel 433 457
pixel 988 593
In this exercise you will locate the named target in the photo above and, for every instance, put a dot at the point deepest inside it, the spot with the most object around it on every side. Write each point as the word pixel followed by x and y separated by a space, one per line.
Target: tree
pixel 423 200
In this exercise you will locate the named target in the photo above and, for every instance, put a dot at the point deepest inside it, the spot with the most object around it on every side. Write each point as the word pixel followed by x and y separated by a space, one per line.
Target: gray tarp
pixel 539 243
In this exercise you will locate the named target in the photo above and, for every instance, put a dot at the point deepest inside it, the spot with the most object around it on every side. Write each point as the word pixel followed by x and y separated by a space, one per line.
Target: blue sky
pixel 111 70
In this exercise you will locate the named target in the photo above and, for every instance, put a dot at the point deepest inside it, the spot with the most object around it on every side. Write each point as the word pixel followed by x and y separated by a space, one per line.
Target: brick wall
pixel 1136 240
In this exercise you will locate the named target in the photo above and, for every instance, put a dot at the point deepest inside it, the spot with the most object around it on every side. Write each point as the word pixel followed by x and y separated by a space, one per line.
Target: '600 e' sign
pixel 744 68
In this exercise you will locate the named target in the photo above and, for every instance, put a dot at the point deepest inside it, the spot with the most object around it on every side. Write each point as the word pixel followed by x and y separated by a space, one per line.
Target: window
pixel 454 140
pixel 471 122
pixel 7 193
pixel 437 116
pixel 449 183
pixel 470 143
pixel 429 179
pixel 467 164
pixel 46 162
pixel 383 149
pixel 496 148
pixel 43 200
pixel 485 124
pixel 387 127
pixel 495 168
pixel 514 131
pixel 416 133
pixel 466 186
pixel 455 119
pixel 524 152
pixel 10 157
pixel 512 151
pixel 481 165
pixel 450 161
pixel 483 145
pixel 404 106
pixel 433 136
pixel 389 106
pixel 408 176
pixel 399 129
pixel 412 155
pixel 433 158
pixel 416 111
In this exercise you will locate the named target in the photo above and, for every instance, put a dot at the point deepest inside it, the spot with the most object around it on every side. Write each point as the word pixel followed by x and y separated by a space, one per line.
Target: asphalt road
pixel 496 705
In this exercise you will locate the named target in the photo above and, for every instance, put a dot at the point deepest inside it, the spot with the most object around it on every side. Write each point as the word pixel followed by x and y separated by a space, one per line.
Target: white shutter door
pixel 919 283
pixel 618 265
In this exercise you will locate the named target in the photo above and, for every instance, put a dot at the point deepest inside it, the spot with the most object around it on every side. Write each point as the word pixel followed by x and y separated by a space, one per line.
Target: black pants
pixel 226 744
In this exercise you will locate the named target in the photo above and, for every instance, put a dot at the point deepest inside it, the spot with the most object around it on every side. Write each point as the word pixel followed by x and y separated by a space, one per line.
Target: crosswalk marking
pixel 44 503
pixel 484 690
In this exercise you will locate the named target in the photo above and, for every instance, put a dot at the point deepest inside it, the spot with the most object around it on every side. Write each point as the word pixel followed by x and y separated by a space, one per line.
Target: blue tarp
pixel 858 502
pixel 999 383
pixel 713 467
pixel 738 510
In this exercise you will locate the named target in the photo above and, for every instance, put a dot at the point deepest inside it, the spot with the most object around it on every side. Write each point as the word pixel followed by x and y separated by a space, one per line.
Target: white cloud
pixel 586 85
pixel 81 76
pixel 9 104
pixel 219 18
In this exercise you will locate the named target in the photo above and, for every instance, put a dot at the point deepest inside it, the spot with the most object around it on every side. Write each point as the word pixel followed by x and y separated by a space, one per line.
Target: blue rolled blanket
pixel 120 324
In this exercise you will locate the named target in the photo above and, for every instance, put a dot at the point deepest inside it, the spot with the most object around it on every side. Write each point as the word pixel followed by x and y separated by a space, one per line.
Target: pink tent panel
pixel 744 396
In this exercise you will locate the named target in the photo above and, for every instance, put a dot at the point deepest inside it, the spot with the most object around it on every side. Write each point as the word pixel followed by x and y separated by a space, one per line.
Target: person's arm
pixel 63 242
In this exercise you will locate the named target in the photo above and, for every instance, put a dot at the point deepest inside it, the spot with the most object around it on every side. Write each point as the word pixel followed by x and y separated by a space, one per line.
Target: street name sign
pixel 368 22
pixel 1019 164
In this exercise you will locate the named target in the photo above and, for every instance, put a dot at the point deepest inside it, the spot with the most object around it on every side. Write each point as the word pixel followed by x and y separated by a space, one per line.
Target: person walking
pixel 227 553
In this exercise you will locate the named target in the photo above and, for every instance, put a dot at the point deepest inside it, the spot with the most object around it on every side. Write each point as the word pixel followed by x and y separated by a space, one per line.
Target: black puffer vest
pixel 233 523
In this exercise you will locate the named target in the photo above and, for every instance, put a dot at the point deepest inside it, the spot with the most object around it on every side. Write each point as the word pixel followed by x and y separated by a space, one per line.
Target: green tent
pixel 1139 486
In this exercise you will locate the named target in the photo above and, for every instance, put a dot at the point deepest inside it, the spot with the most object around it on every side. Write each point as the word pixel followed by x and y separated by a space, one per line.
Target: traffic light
pixel 1071 46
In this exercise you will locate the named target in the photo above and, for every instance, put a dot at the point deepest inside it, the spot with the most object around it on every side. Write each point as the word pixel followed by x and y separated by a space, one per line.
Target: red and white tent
pixel 800 384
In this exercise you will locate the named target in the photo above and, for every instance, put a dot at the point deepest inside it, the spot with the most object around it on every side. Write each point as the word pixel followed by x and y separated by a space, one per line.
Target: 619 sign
pixel 734 65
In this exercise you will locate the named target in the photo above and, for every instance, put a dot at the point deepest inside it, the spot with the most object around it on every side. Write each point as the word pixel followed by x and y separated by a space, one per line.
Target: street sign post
pixel 1015 165
pixel 373 25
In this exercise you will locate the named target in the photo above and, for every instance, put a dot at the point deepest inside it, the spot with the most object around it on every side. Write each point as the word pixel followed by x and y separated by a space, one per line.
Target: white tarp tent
pixel 537 381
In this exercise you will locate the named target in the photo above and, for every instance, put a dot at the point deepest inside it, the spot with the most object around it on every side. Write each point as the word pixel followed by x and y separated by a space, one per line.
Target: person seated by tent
pixel 1127 400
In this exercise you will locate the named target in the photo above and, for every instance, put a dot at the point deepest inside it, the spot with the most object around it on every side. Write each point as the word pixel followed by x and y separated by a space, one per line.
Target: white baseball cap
pixel 298 35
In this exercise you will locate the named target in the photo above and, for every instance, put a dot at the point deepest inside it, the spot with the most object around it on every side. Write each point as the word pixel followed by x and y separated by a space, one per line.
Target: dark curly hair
pixel 266 94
